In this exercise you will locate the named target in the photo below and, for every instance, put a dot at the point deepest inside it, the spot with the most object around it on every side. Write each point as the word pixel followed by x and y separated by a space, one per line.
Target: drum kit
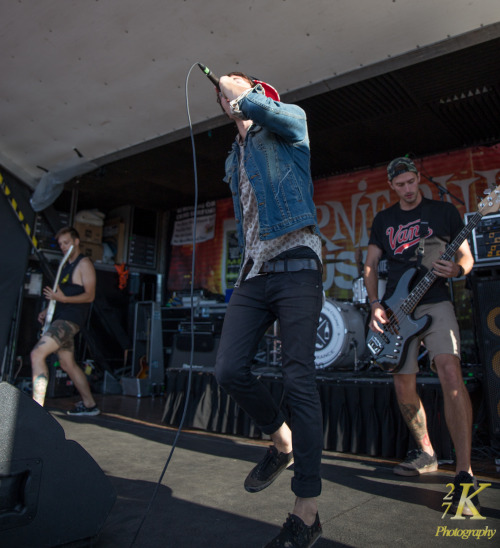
pixel 340 341
pixel 342 328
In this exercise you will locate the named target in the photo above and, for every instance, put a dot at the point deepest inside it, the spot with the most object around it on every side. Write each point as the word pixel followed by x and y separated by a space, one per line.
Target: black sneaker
pixel 461 478
pixel 81 411
pixel 417 462
pixel 268 469
pixel 296 534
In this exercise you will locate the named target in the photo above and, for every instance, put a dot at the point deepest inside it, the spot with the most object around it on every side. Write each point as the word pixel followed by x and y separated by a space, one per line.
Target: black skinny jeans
pixel 295 299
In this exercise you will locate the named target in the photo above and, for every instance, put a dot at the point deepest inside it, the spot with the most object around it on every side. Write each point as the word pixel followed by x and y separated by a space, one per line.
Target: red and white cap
pixel 268 90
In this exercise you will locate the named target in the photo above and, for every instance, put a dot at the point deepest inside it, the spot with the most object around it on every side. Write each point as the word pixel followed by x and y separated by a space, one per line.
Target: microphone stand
pixel 442 191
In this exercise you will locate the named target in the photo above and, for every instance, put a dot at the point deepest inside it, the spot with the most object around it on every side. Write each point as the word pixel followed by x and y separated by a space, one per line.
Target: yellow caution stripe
pixel 20 215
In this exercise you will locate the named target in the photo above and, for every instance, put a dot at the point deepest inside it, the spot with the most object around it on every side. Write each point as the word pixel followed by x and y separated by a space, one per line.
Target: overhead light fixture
pixel 466 94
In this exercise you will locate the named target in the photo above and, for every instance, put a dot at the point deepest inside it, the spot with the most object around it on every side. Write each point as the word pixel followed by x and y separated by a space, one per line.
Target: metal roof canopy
pixel 108 79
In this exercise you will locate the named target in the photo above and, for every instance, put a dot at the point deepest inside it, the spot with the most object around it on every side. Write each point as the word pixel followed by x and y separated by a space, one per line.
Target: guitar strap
pixel 67 271
pixel 423 231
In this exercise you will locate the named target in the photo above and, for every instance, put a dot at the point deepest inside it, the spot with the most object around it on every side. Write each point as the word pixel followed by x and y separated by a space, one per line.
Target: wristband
pixel 375 301
pixel 462 271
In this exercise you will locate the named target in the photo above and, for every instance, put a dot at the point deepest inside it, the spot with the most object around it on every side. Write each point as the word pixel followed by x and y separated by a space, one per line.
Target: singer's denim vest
pixel 277 159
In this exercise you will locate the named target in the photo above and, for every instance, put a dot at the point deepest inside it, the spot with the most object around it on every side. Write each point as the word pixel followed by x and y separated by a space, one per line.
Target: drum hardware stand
pixel 273 357
pixel 358 363
pixel 354 345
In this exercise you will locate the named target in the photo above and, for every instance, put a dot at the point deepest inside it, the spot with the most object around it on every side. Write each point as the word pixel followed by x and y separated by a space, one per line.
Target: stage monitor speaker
pixel 51 490
pixel 486 288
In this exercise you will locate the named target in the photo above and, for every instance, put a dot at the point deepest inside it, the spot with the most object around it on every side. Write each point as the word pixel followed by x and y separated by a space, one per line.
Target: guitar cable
pixel 191 357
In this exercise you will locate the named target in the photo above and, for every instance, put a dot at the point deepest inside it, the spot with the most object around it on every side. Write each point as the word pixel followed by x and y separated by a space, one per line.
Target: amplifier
pixel 485 239
pixel 198 327
pixel 203 342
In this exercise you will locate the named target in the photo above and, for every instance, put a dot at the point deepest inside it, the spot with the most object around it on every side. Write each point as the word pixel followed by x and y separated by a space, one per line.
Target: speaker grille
pixel 486 285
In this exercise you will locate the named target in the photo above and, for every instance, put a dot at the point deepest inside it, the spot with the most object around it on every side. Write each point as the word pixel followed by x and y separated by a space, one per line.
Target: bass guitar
pixel 52 304
pixel 389 349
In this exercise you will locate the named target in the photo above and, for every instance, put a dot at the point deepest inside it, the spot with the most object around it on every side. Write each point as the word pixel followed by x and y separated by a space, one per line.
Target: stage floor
pixel 201 501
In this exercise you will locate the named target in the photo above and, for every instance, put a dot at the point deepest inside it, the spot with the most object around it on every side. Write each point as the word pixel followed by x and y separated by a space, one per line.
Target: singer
pixel 268 172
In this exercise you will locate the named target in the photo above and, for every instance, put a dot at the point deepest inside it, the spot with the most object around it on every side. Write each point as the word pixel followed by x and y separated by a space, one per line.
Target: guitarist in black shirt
pixel 73 295
pixel 395 236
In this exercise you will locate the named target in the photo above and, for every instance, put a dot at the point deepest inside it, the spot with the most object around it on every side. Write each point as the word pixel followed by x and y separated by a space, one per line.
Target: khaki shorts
pixel 63 332
pixel 442 336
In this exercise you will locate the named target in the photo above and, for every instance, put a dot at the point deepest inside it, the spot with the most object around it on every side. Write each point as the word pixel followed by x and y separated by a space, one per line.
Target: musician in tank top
pixel 73 296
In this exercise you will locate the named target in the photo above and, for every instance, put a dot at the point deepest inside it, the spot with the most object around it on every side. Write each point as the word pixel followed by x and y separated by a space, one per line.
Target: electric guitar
pixel 389 348
pixel 144 360
pixel 52 304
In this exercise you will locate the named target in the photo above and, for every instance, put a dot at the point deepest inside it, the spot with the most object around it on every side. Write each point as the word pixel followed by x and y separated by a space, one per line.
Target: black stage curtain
pixel 360 416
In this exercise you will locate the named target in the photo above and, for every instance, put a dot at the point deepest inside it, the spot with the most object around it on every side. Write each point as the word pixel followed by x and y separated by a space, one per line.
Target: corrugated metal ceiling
pixel 445 103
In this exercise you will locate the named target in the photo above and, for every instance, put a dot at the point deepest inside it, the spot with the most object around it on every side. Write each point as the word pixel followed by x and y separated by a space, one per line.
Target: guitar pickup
pixel 374 346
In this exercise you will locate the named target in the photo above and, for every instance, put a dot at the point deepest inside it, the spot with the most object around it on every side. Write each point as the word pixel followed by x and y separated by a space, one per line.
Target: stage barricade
pixel 360 415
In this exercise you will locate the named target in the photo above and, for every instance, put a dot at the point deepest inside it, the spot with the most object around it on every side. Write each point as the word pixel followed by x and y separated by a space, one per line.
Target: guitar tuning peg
pixel 487 191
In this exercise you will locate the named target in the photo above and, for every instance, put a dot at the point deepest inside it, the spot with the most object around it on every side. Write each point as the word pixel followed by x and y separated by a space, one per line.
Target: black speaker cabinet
pixel 205 350
pixel 51 490
pixel 203 342
pixel 486 290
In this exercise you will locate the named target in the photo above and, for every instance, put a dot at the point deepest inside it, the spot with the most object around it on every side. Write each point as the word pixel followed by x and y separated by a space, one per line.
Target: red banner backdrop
pixel 346 205
pixel 217 260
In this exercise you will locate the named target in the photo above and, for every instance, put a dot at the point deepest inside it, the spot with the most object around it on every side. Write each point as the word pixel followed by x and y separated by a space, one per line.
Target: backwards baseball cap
pixel 400 165
pixel 268 90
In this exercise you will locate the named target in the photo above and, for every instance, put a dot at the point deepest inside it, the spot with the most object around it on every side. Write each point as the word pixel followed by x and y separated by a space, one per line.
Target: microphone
pixel 210 75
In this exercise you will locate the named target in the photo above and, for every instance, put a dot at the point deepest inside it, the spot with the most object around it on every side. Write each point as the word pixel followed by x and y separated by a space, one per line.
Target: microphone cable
pixel 191 357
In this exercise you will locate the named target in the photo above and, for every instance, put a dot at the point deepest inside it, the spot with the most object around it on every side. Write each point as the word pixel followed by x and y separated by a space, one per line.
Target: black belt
pixel 284 265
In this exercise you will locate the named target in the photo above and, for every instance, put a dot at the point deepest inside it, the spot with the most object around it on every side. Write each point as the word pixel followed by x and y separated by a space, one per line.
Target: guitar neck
pixel 52 303
pixel 415 296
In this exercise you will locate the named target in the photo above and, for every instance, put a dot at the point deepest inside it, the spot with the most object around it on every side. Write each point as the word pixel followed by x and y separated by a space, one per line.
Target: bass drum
pixel 340 340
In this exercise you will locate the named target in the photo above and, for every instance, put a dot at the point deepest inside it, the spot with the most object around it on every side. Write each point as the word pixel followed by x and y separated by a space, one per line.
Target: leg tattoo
pixel 415 420
pixel 40 388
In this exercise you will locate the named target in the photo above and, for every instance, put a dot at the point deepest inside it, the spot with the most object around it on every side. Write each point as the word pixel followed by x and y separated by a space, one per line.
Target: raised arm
pixel 286 120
